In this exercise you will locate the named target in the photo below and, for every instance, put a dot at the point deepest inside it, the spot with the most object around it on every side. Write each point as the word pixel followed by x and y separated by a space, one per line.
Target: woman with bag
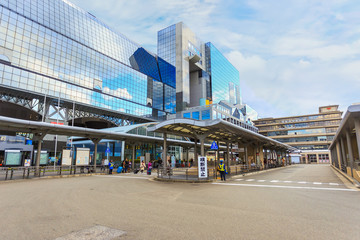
pixel 142 166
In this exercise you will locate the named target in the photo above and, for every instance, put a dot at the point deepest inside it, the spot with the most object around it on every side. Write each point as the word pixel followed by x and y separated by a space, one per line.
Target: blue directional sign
pixel 214 146
pixel 107 150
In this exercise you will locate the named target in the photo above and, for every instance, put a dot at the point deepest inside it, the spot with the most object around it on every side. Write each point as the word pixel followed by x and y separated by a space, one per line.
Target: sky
pixel 292 55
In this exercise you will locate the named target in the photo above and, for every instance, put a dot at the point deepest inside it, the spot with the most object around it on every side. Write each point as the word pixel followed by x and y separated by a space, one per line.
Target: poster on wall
pixel 202 167
pixel 27 163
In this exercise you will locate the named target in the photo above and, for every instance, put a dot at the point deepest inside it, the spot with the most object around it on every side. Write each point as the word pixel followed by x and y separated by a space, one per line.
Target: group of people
pixel 126 165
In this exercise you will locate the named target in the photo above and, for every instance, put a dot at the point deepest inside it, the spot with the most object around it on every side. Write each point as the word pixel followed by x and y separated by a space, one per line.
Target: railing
pixel 191 174
pixel 11 173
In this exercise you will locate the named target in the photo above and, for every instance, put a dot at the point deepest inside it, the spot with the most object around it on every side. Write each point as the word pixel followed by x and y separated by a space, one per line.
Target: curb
pixel 350 179
pixel 50 177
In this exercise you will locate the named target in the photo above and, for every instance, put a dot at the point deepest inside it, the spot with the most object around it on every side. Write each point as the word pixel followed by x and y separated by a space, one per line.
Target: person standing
pixel 111 166
pixel 221 168
pixel 126 165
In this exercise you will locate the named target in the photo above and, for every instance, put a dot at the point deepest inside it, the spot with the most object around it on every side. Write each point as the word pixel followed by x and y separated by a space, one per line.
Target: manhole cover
pixel 94 233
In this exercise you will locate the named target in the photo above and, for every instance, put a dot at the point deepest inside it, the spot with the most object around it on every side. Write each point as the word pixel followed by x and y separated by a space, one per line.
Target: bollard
pixel 60 170
pixel 24 173
pixel 187 174
pixel 12 172
pixel 6 173
pixel 44 172
pixel 28 172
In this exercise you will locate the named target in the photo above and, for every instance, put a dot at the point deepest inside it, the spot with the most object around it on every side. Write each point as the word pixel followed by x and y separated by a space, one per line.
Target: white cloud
pixel 119 92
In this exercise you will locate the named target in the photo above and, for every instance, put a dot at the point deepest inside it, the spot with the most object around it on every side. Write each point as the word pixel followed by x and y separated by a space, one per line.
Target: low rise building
pixel 311 134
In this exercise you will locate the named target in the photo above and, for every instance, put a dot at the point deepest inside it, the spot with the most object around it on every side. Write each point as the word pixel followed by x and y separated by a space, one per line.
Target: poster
pixel 202 167
pixel 27 162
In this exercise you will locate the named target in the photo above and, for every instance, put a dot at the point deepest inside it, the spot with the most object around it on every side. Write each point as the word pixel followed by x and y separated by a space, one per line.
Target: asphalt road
pixel 298 202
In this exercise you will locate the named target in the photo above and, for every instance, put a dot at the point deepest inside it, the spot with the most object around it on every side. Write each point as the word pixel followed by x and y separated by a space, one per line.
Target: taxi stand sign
pixel 202 167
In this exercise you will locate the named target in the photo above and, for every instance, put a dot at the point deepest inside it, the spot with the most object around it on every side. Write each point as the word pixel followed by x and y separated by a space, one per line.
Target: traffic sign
pixel 214 146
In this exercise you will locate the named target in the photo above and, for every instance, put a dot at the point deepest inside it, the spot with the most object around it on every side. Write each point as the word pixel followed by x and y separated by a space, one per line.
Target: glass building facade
pixel 225 78
pixel 203 74
pixel 56 49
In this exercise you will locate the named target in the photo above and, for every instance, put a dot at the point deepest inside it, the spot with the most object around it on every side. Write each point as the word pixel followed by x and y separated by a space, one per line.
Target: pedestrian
pixel 123 165
pixel 221 169
pixel 142 166
pixel 149 168
pixel 126 165
pixel 111 166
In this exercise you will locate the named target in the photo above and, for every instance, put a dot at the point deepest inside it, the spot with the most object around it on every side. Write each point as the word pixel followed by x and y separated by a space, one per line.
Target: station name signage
pixel 12 139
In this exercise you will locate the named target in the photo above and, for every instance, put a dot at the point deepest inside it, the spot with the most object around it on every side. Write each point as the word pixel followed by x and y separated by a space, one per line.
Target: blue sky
pixel 293 55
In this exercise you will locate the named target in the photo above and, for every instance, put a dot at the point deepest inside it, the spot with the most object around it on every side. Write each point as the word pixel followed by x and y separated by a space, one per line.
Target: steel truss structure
pixel 48 107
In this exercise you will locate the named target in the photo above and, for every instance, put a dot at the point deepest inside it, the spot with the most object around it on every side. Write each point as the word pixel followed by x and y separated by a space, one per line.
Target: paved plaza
pixel 297 202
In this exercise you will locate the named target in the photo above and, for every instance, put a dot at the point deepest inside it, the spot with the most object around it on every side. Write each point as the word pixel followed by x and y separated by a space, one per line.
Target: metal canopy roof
pixel 18 125
pixel 218 130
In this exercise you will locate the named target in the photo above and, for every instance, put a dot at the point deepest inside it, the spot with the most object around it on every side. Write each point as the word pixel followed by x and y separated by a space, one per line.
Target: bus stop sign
pixel 214 146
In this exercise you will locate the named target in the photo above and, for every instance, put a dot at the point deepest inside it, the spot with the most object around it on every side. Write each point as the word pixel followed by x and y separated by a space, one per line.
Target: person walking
pixel 221 168
pixel 142 166
pixel 149 168
pixel 111 166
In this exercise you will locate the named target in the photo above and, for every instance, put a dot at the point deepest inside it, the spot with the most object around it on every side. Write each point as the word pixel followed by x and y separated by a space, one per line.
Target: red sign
pixel 57 123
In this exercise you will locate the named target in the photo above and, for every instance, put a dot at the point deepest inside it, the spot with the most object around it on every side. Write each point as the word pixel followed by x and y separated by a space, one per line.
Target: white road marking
pixel 261 180
pixel 288 181
pixel 120 176
pixel 239 179
pixel 250 180
pixel 302 182
pixel 274 181
pixel 334 184
pixel 289 187
pixel 317 183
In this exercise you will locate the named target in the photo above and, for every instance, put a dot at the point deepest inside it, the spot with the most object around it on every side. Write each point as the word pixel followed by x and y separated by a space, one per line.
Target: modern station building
pixel 312 134
pixel 61 65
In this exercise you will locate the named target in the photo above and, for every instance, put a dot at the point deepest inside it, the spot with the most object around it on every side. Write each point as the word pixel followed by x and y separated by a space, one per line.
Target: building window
pixel 196 115
pixel 186 115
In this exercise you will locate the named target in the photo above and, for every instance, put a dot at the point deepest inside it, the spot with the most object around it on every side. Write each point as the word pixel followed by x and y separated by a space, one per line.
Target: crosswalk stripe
pixel 289 187
pixel 261 180
pixel 302 182
pixel 239 179
pixel 317 183
pixel 275 181
pixel 334 184
pixel 250 180
pixel 288 181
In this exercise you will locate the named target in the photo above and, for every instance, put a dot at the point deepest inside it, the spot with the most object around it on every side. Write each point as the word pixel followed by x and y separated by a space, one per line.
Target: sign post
pixel 214 146
pixel 202 167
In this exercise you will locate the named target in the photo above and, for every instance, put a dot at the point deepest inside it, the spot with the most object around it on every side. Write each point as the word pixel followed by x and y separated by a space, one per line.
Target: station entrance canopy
pixel 217 130
pixel 43 128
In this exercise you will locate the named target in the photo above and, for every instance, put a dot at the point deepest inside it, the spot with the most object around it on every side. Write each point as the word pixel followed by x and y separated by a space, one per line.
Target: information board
pixel 13 157
pixel 82 156
pixel 202 167
pixel 66 157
